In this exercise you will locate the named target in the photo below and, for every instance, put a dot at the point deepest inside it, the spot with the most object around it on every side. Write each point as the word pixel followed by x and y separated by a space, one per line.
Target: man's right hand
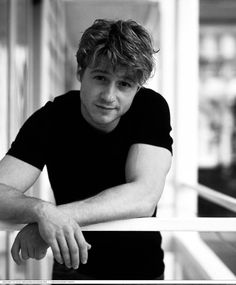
pixel 63 235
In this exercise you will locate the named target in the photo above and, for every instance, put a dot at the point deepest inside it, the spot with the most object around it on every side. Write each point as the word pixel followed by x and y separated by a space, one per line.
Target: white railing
pixel 170 224
pixel 178 226
pixel 189 249
pixel 155 224
pixel 212 195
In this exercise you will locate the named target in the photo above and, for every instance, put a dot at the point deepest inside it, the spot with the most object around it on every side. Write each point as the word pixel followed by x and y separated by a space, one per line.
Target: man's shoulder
pixel 146 97
pixel 67 98
pixel 59 108
pixel 65 104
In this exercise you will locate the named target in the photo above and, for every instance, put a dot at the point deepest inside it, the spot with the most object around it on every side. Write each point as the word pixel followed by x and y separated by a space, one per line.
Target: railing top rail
pixel 214 196
pixel 156 224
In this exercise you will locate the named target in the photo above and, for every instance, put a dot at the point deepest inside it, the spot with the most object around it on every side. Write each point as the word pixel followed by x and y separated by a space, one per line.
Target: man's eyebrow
pixel 124 77
pixel 129 78
pixel 100 71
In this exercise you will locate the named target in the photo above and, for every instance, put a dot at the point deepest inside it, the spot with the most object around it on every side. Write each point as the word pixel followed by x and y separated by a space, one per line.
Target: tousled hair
pixel 124 43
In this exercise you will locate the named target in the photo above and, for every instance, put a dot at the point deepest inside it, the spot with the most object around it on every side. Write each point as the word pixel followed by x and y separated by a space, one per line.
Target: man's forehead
pixel 106 66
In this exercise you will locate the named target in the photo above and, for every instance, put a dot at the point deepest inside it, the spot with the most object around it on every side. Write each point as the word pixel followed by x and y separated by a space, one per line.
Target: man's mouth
pixel 104 107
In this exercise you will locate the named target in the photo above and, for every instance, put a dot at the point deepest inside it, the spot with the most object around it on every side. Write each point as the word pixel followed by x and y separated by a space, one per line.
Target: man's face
pixel 106 95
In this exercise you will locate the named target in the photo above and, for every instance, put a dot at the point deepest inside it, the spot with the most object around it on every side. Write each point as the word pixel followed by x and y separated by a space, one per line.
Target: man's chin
pixel 106 123
pixel 105 119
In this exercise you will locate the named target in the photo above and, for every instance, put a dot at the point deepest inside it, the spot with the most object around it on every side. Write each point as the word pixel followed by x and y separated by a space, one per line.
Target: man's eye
pixel 125 84
pixel 100 78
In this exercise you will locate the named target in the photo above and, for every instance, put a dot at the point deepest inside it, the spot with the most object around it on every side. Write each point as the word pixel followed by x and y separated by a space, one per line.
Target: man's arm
pixel 16 177
pixel 61 232
pixel 146 170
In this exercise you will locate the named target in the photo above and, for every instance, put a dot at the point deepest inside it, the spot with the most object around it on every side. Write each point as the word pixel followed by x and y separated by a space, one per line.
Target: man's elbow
pixel 147 205
pixel 149 208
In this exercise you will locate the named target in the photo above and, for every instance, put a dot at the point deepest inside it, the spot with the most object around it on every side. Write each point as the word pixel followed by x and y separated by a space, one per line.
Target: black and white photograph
pixel 118 142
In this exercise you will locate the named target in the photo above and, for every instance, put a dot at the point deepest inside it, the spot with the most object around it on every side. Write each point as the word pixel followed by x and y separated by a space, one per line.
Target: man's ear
pixel 138 88
pixel 79 74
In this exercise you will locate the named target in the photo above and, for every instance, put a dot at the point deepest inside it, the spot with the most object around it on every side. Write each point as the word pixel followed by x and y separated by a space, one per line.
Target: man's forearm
pixel 145 172
pixel 18 208
pixel 126 201
pixel 58 230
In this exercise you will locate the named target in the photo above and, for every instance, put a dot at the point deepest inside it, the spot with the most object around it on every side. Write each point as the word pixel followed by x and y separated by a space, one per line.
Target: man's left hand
pixel 30 243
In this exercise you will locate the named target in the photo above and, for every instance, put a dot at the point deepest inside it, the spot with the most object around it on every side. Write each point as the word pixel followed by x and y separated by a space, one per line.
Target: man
pixel 107 149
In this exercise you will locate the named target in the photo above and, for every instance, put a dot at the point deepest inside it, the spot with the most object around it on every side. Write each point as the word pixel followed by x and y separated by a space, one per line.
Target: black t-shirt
pixel 82 161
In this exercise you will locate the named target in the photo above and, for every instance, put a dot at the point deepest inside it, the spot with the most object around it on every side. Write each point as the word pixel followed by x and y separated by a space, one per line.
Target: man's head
pixel 123 43
pixel 114 59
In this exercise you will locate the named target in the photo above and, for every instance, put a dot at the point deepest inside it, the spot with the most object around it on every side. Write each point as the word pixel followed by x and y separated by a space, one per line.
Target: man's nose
pixel 109 93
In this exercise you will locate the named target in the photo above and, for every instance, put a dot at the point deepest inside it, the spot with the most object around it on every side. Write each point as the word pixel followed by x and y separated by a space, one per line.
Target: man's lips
pixel 105 107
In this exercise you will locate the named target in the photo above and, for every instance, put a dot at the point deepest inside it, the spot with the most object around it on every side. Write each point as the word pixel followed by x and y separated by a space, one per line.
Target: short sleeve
pixel 152 120
pixel 30 144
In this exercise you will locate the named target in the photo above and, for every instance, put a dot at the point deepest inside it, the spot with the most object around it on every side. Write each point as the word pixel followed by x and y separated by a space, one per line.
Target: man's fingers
pixel 64 250
pixel 24 250
pixel 39 254
pixel 74 251
pixel 56 252
pixel 31 251
pixel 15 251
pixel 83 246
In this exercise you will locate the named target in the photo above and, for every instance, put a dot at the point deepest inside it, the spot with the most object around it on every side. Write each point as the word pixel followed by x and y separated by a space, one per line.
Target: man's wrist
pixel 41 209
pixel 72 210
